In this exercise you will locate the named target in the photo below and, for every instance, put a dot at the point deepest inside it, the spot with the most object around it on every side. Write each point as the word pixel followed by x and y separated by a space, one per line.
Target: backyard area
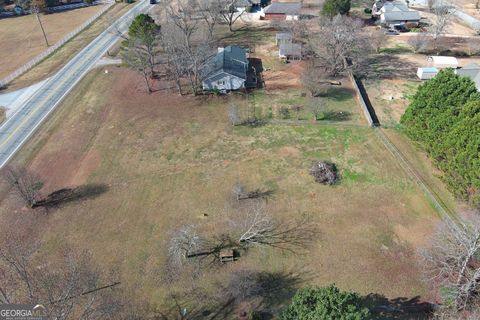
pixel 22 38
pixel 167 160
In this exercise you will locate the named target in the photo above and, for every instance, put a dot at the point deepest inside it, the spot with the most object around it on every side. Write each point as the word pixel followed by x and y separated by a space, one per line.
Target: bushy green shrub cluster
pixel 444 118
pixel 327 303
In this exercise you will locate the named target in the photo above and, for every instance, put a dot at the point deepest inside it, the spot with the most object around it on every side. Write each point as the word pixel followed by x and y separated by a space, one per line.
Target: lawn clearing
pixel 22 38
pixel 169 160
pixel 390 98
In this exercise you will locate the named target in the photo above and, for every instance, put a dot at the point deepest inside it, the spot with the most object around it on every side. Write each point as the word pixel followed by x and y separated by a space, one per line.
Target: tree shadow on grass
pixel 401 308
pixel 338 94
pixel 246 36
pixel 386 67
pixel 67 195
pixel 337 116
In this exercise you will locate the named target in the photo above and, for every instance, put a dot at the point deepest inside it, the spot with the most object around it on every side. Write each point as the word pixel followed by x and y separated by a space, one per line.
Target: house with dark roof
pixel 227 70
pixel 394 13
pixel 471 71
pixel 283 11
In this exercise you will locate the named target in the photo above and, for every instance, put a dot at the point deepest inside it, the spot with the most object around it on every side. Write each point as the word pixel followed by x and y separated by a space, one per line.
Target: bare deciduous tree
pixel 211 14
pixel 336 40
pixel 377 39
pixel 317 107
pixel 256 226
pixel 25 184
pixel 187 47
pixel 229 12
pixel 452 259
pixel 134 55
pixel 69 286
pixel 419 42
pixel 442 16
pixel 183 242
pixel 313 79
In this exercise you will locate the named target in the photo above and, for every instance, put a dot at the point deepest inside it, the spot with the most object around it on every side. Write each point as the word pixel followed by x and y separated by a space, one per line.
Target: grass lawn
pixel 167 160
pixel 22 38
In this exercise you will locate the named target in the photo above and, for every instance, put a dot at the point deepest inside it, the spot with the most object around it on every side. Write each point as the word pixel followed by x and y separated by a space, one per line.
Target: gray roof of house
pixel 402 16
pixel 471 71
pixel 231 60
pixel 398 11
pixel 284 8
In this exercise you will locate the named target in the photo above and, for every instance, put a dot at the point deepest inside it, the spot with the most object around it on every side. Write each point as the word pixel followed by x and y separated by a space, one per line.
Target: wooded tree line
pixel 444 118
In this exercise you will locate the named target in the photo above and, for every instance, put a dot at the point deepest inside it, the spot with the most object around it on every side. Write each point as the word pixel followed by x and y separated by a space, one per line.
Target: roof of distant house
pixel 398 11
pixel 231 60
pixel 429 69
pixel 444 60
pixel 284 8
pixel 471 71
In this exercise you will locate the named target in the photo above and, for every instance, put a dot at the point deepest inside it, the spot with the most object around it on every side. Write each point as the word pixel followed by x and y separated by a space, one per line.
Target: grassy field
pixel 168 160
pixel 22 38
pixel 52 63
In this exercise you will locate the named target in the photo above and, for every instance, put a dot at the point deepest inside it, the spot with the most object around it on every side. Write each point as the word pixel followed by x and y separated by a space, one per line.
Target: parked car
pixel 391 32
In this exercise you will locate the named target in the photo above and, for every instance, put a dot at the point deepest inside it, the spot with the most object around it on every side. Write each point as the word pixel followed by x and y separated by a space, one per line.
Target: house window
pixel 221 82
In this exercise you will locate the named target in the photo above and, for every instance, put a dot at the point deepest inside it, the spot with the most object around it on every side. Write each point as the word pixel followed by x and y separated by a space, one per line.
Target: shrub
pixel 325 303
pixel 367 10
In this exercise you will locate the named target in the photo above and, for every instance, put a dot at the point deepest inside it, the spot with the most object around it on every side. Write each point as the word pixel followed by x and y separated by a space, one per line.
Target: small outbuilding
pixel 426 73
pixel 283 11
pixel 283 38
pixel 290 51
pixel 443 61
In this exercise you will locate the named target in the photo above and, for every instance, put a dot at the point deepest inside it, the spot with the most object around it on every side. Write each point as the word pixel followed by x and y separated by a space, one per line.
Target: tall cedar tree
pixel 443 118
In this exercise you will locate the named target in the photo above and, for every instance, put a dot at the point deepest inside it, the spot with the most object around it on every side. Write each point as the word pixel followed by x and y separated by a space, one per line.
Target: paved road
pixel 21 125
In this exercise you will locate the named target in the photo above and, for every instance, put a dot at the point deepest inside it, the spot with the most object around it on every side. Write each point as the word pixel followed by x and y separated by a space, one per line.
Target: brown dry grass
pixel 55 61
pixel 169 159
pixel 22 38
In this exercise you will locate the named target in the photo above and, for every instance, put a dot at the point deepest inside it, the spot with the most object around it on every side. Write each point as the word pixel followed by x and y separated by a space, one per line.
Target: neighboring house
pixel 227 70
pixel 283 38
pixel 426 73
pixel 394 13
pixel 290 51
pixel 282 11
pixel 443 62
pixel 471 71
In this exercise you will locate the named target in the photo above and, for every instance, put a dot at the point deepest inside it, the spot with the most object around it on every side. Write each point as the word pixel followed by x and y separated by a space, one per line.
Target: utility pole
pixel 36 10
